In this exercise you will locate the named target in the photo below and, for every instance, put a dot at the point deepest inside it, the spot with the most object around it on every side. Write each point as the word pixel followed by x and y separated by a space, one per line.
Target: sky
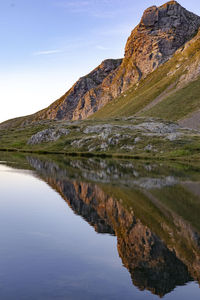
pixel 46 45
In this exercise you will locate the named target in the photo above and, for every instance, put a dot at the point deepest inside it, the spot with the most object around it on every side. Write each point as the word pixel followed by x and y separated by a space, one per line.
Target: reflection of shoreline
pixel 151 264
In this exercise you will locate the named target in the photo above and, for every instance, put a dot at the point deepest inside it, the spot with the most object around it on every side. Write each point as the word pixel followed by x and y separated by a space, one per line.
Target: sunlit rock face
pixel 81 92
pixel 161 31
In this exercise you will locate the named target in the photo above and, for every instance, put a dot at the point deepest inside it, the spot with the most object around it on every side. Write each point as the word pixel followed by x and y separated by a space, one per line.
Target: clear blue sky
pixel 46 45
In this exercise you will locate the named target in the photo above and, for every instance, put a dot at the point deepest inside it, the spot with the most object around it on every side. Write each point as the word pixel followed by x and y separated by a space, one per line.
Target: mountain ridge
pixel 161 32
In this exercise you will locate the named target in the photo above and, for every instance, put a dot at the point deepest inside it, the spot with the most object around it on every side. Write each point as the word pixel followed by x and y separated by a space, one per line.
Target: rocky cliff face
pixel 83 89
pixel 161 31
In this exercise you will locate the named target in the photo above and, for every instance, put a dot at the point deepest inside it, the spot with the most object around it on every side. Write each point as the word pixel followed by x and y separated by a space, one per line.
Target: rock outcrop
pixel 83 89
pixel 161 31
pixel 47 135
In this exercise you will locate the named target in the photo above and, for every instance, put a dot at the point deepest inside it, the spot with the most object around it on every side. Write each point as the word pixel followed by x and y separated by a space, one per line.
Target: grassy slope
pixel 174 107
pixel 179 104
pixel 186 148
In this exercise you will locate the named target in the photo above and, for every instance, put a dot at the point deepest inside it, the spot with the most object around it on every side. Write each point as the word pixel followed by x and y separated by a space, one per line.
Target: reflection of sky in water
pixel 47 252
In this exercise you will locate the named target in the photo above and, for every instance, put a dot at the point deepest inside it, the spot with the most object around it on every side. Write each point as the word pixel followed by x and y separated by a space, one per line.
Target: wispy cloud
pixel 99 47
pixel 47 52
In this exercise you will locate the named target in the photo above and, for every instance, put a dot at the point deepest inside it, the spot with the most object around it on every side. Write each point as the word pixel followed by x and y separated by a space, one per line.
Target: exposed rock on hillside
pixel 83 89
pixel 160 33
pixel 47 135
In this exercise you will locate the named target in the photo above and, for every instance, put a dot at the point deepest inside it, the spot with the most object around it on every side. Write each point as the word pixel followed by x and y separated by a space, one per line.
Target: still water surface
pixel 73 229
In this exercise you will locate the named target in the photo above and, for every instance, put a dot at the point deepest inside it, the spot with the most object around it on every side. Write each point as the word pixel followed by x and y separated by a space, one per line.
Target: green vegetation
pixel 136 98
pixel 179 104
pixel 121 138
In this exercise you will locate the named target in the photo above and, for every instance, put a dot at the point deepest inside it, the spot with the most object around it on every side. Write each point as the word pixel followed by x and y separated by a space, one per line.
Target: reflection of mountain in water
pixel 149 246
pixel 154 215
pixel 73 193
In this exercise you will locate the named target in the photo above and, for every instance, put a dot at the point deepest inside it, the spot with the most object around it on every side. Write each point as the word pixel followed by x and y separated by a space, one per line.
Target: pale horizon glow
pixel 47 45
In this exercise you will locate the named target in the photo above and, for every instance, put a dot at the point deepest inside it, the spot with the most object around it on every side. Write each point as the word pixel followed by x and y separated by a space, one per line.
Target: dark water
pixel 98 229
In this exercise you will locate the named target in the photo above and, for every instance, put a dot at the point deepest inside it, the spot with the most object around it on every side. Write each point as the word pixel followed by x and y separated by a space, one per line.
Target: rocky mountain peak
pixel 150 16
pixel 162 30
pixel 171 15
pixel 153 14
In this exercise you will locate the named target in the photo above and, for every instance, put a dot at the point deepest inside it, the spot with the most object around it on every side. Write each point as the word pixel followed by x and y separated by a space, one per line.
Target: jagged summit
pixel 170 3
pixel 165 29
pixel 170 15
pixel 151 14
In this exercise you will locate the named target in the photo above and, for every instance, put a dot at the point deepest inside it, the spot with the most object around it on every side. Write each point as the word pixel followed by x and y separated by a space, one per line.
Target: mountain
pixel 161 31
pixel 145 104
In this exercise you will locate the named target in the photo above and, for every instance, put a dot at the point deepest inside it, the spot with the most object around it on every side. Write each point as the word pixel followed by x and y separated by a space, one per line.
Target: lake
pixel 75 228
